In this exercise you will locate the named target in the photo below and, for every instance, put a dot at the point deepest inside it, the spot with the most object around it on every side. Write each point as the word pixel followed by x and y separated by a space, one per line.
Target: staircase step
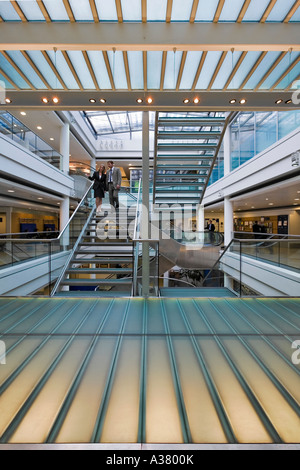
pixel 191 122
pixel 110 260
pixel 101 244
pixel 99 271
pixel 165 135
pixel 94 282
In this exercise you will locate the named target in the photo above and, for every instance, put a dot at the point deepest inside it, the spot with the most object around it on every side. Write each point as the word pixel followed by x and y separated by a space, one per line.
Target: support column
pixel 65 147
pixel 228 220
pixel 64 219
pixel 146 205
pixel 200 218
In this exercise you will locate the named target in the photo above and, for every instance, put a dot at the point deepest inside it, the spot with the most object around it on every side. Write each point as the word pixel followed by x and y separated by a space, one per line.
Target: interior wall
pixel 2 222
pixel 37 217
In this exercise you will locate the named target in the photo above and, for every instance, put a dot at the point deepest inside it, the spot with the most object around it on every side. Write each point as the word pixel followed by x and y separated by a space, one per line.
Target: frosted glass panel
pixel 100 70
pixel 106 10
pixel 226 69
pixel 208 69
pixel 12 73
pixel 132 11
pixel 172 69
pixel 118 69
pixel 26 68
pixel 8 13
pixel 280 10
pixel 206 10
pixel 231 10
pixel 263 67
pixel 181 11
pixel 81 10
pixel 190 69
pixel 135 62
pixel 63 69
pixel 31 10
pixel 82 70
pixel 45 69
pixel 256 10
pixel 156 10
pixel 56 10
pixel 279 70
pixel 154 64
pixel 242 72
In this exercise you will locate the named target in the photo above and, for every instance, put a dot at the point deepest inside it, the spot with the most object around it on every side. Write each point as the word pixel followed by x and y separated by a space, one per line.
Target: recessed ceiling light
pixel 45 100
pixel 39 128
pixel 271 204
pixel 139 100
pixel 279 101
pixel 10 191
pixel 186 101
pixel 51 138
pixel 40 198
pixel 233 101
pixel 252 207
pixel 23 113
pixel 102 100
pixel 243 101
pixel 8 101
pixel 55 100
pixel 288 101
pixel 196 100
pixel 149 100
pixel 297 199
pixel 267 198
pixel 92 100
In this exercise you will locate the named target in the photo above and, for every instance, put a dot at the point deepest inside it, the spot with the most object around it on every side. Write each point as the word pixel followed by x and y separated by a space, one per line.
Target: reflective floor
pixel 194 371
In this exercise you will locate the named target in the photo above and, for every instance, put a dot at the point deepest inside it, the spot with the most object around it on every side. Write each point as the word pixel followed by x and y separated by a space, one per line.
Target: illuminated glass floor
pixel 219 371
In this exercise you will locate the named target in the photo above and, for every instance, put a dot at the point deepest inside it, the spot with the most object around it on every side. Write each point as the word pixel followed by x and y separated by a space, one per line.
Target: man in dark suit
pixel 113 180
pixel 211 228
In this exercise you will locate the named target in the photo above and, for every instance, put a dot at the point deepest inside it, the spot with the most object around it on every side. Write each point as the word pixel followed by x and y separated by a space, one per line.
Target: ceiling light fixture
pixel 55 100
pixel 233 101
pixel 288 101
pixel 10 191
pixel 139 100
pixel 279 101
pixel 243 101
pixel 23 113
pixel 8 100
pixel 149 100
pixel 51 138
pixel 45 100
pixel 196 100
pixel 39 128
pixel 102 100
pixel 186 101
pixel 92 100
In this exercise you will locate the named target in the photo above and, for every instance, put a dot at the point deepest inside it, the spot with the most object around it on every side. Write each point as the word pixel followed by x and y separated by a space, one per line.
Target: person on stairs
pixel 99 186
pixel 113 181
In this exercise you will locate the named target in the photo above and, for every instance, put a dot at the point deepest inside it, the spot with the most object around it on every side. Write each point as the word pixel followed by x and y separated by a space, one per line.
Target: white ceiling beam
pixel 150 36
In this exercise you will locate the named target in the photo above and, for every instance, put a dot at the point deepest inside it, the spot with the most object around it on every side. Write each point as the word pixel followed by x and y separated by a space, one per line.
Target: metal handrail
pixel 137 211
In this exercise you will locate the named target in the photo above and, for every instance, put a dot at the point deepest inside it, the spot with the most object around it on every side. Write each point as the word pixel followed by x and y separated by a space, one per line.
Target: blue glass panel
pixel 190 68
pixel 12 73
pixel 135 62
pixel 118 69
pixel 31 10
pixel 56 10
pixel 39 60
pixel 247 123
pixel 208 69
pixel 245 67
pixel 228 65
pixel 8 13
pixel 26 68
pixel 181 11
pixel 231 10
pixel 157 10
pixel 100 70
pixel 296 16
pixel 279 70
pixel 81 69
pixel 154 64
pixel 206 10
pixel 280 10
pixel 106 10
pixel 132 11
pixel 266 130
pixel 63 69
pixel 292 79
pixel 288 122
pixel 172 69
pixel 263 67
pixel 256 10
pixel 5 83
pixel 81 10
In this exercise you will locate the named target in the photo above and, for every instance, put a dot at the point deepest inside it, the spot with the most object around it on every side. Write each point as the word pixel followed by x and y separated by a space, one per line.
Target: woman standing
pixel 99 178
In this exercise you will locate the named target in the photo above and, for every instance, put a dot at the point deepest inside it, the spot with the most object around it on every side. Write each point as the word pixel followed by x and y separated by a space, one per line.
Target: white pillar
pixel 65 147
pixel 64 219
pixel 228 220
pixel 200 218
pixel 145 208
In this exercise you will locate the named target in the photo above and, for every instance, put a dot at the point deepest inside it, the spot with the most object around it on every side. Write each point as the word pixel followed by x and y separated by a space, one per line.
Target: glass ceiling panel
pixel 132 11
pixel 181 11
pixel 7 85
pixel 190 69
pixel 81 10
pixel 63 69
pixel 157 10
pixel 56 10
pixel 231 10
pixel 172 69
pixel 263 67
pixel 8 13
pixel 228 65
pixel 154 64
pixel 293 76
pixel 26 68
pixel 280 10
pixel 296 16
pixel 100 70
pixel 206 10
pixel 118 69
pixel 82 70
pixel 31 10
pixel 12 73
pixel 100 122
pixel 256 10
pixel 45 69
pixel 135 62
pixel 210 64
pixel 242 72
pixel 106 10
pixel 279 70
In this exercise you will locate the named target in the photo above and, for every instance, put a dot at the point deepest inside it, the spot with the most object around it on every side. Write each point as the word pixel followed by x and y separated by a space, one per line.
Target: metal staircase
pixel 102 259
pixel 186 150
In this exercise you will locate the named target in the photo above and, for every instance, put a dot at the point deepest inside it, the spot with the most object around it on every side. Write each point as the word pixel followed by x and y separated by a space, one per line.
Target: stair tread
pixel 94 282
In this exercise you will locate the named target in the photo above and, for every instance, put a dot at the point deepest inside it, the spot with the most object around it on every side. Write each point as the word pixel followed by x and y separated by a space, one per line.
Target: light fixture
pixel 10 191
pixel 233 101
pixel 271 204
pixel 92 100
pixel 55 100
pixel 279 101
pixel 8 100
pixel 149 100
pixel 243 101
pixel 39 128
pixel 186 101
pixel 102 100
pixel 45 100
pixel 23 113
pixel 288 101
pixel 51 138
pixel 196 100
pixel 139 100
pixel 40 198
pixel 297 199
